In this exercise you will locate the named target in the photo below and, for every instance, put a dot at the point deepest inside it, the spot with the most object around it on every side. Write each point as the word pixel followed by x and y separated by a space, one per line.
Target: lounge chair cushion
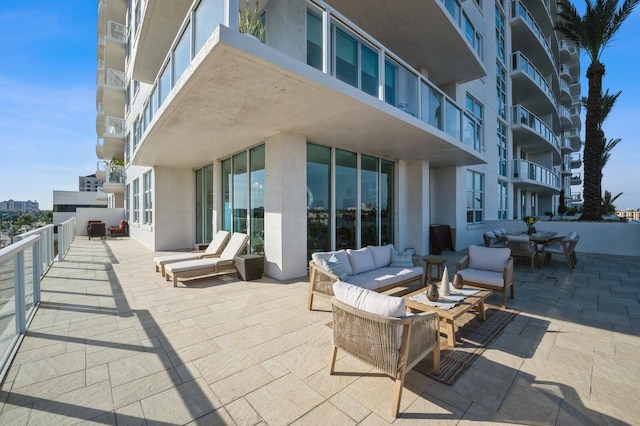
pixel 369 301
pixel 381 255
pixel 482 276
pixel 217 242
pixel 341 255
pixel 361 260
pixel 192 265
pixel 383 277
pixel 401 259
pixel 175 258
pixel 488 258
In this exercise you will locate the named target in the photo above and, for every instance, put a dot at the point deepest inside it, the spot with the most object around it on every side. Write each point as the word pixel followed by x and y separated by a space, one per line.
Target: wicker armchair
pixel 521 246
pixel 563 246
pixel 391 345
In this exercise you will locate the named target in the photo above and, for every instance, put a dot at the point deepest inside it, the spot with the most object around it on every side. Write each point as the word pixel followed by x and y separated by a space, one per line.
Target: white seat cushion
pixel 488 258
pixel 192 265
pixel 482 277
pixel 384 277
pixel 361 260
pixel 161 260
pixel 369 301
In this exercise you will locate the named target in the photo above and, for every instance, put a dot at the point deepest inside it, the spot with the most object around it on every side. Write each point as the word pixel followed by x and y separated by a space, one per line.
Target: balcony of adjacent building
pixel 576 179
pixel 111 10
pixel 101 195
pixel 565 146
pixel 566 169
pixel 114 179
pixel 111 144
pixel 101 170
pixel 574 138
pixel 576 198
pixel 574 115
pixel 363 95
pixel 528 38
pixel 533 134
pixel 534 177
pixel 566 95
pixel 530 88
pixel 576 160
pixel 112 46
pixel 568 52
pixel 111 90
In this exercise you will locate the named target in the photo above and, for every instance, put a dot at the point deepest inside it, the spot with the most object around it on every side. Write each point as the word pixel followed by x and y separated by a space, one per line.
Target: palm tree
pixel 607 151
pixel 607 203
pixel 593 32
pixel 608 101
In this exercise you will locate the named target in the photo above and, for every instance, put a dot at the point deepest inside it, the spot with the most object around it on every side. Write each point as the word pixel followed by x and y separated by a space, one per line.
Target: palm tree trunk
pixel 593 145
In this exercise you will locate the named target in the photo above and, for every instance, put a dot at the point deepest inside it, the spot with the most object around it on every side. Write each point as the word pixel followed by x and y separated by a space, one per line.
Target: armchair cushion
pixel 334 266
pixel 381 255
pixel 488 258
pixel 481 276
pixel 361 260
pixel 369 301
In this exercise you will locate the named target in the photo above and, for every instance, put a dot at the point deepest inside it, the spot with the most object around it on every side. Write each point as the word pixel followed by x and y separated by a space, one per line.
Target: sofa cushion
pixel 490 234
pixel 361 260
pixel 381 255
pixel 497 232
pixel 334 266
pixel 341 255
pixel 383 277
pixel 401 259
pixel 482 277
pixel 488 258
pixel 369 301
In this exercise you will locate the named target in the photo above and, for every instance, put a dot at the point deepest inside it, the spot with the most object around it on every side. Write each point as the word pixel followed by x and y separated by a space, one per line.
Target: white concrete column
pixel 285 216
pixel 413 206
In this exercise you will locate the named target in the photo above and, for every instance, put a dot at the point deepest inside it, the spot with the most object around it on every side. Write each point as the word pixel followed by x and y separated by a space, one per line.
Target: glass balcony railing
pixel 519 10
pixel 101 40
pixel 576 197
pixel 564 45
pixel 526 170
pixel 113 79
pixel 117 32
pixel 576 179
pixel 521 63
pixel 115 174
pixel 564 112
pixel 520 115
pixel 565 86
pixel 564 69
pixel 100 64
pixel 115 127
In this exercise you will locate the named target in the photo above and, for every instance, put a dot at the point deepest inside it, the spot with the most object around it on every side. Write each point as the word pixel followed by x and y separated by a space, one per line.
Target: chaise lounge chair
pixel 209 265
pixel 213 250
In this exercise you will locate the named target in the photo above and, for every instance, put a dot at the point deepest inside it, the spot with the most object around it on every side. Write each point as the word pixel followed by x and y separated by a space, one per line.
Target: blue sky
pixel 48 88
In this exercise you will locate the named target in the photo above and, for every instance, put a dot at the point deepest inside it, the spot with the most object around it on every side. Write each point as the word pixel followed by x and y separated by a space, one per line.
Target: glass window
pixel 346 199
pixel 501 90
pixel 182 54
pixel 148 197
pixel 390 70
pixel 473 124
pixel 199 175
pixel 165 83
pixel 346 57
pixel 153 102
pixel 204 204
pixel 318 198
pixel 314 39
pixel 240 196
pixel 502 200
pixel 502 148
pixel 226 195
pixel 475 197
pixel 127 201
pixel 500 35
pixel 387 201
pixel 257 158
pixel 208 16
pixel 369 193
pixel 136 200
pixel 369 72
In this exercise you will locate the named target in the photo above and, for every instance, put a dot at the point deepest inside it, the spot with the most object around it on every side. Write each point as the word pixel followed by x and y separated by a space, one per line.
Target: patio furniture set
pixel 98 229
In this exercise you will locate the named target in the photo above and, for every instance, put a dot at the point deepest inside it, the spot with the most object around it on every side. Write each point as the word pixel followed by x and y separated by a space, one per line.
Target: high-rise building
pixel 351 123
pixel 89 183
pixel 20 206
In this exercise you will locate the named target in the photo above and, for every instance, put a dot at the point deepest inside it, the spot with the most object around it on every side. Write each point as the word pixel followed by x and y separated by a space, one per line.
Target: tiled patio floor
pixel 113 343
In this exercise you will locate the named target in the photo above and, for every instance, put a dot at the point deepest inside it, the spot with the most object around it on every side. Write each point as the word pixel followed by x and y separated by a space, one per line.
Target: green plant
pixel 251 23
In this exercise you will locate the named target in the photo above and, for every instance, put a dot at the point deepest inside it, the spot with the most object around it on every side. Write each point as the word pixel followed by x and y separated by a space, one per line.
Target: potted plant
pixel 251 23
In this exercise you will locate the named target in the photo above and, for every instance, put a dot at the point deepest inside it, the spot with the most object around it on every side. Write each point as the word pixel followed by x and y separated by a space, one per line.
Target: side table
pixel 249 266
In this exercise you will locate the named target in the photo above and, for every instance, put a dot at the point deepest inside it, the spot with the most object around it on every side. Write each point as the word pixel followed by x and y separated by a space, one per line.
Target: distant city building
pixel 20 206
pixel 629 214
pixel 65 203
pixel 89 183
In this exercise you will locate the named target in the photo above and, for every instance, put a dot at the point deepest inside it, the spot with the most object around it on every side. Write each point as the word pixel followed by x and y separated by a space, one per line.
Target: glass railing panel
pixel 116 79
pixel 7 307
pixel 453 7
pixel 431 102
pixel 523 116
pixel 452 120
pixel 117 31
pixel 115 174
pixel 518 9
pixel 209 14
pixel 521 63
pixel 527 170
pixel 564 69
pixel 114 127
pixel 565 86
pixel 101 39
pixel 28 279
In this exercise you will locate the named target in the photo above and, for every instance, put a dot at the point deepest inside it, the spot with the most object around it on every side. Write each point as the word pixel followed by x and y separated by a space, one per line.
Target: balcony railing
pixel 565 86
pixel 576 197
pixel 115 174
pixel 564 45
pixel 576 179
pixel 564 69
pixel 520 115
pixel 519 10
pixel 115 127
pixel 22 265
pixel 564 112
pixel 395 82
pixel 521 63
pixel 117 32
pixel 526 170
pixel 114 79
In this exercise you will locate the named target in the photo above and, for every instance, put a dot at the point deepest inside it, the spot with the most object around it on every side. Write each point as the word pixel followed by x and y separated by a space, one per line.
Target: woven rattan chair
pixel 521 246
pixel 563 246
pixel 391 345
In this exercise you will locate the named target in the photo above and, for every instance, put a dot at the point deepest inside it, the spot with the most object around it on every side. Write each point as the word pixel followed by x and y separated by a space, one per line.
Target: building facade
pixel 351 123
pixel 20 206
pixel 89 183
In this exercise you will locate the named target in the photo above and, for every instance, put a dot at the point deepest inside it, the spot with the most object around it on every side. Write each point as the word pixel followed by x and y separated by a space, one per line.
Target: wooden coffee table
pixel 449 316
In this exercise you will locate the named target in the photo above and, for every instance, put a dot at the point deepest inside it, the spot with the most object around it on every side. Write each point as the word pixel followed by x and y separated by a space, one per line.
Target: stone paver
pixel 114 343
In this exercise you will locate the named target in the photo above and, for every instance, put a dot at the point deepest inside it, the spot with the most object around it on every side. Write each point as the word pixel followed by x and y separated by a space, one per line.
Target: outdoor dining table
pixel 540 239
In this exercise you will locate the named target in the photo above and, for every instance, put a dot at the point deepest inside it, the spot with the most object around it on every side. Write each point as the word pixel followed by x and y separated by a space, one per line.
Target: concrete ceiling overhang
pixel 420 32
pixel 161 21
pixel 238 92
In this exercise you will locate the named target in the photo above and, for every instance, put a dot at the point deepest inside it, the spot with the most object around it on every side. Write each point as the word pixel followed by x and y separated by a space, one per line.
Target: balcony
pixel 565 116
pixel 534 177
pixel 114 182
pixel 402 29
pixel 533 134
pixel 574 115
pixel 233 74
pixel 530 89
pixel 576 197
pixel 101 195
pixel 114 46
pixel 566 169
pixel 100 148
pixel 111 89
pixel 101 170
pixel 112 138
pixel 565 93
pixel 568 51
pixel 528 37
pixel 576 179
pixel 576 160
pixel 565 146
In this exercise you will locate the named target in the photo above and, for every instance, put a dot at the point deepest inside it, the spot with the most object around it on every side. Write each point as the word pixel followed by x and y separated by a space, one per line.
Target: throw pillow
pixel 381 255
pixel 401 259
pixel 488 259
pixel 361 260
pixel 336 267
pixel 341 255
pixel 369 301
pixel 490 234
